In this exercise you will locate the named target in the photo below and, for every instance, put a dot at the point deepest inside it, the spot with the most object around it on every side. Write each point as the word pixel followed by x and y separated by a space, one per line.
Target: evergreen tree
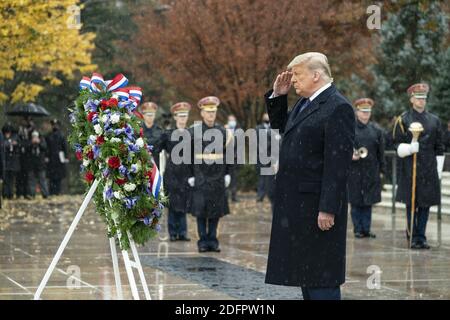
pixel 440 89
pixel 412 40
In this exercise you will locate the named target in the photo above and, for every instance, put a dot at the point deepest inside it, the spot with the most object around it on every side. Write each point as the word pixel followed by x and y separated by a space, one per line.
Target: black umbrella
pixel 28 110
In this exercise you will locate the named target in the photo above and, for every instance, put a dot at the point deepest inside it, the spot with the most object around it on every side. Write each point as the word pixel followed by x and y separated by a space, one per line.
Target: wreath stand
pixel 129 264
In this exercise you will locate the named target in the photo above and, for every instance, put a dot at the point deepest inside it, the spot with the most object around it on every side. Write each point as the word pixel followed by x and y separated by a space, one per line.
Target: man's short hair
pixel 315 61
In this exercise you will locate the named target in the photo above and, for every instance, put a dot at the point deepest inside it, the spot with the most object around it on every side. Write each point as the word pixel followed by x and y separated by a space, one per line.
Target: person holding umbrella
pixel 27 111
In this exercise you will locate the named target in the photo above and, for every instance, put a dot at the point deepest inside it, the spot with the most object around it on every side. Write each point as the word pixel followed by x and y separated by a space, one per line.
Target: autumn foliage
pixel 234 49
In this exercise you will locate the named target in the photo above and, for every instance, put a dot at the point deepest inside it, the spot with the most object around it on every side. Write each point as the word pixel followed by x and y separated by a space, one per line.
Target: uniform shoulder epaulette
pixel 399 122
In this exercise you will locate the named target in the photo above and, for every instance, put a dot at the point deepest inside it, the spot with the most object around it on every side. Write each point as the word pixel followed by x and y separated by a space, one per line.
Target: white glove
pixel 414 147
pixel 227 180
pixel 440 165
pixel 405 149
pixel 191 181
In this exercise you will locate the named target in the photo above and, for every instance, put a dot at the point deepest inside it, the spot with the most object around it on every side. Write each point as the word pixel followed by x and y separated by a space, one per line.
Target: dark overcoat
pixel 431 144
pixel 209 197
pixel 56 143
pixel 176 174
pixel 315 158
pixel 364 185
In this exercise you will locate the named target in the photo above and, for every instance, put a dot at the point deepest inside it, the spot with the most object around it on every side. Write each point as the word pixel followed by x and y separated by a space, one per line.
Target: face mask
pixel 232 124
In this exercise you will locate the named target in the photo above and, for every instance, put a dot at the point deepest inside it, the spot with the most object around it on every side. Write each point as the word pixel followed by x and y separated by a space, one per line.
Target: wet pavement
pixel 31 231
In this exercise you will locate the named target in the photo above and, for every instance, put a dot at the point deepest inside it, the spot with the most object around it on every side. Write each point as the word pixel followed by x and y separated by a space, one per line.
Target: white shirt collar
pixel 322 89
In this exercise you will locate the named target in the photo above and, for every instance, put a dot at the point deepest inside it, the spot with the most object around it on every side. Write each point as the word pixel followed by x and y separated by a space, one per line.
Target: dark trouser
pixel 22 183
pixel 420 223
pixel 207 232
pixel 37 176
pixel 55 186
pixel 362 218
pixel 333 293
pixel 177 223
pixel 8 184
pixel 265 186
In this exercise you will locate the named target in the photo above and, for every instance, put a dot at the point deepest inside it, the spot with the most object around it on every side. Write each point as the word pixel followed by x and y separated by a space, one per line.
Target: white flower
pixel 114 140
pixel 129 187
pixel 118 195
pixel 104 118
pixel 86 162
pixel 115 118
pixel 98 129
pixel 140 142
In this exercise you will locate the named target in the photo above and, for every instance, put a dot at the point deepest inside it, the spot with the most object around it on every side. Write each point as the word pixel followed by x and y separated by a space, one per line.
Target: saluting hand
pixel 282 83
pixel 325 221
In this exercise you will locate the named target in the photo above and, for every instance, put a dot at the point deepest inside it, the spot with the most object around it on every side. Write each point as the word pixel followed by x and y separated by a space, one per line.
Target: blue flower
pixel 123 170
pixel 157 213
pixel 96 150
pixel 148 221
pixel 130 202
pixel 105 173
pixel 118 131
pixel 129 132
pixel 78 147
pixel 91 141
pixel 72 117
pixel 134 168
pixel 158 227
pixel 82 168
pixel 109 194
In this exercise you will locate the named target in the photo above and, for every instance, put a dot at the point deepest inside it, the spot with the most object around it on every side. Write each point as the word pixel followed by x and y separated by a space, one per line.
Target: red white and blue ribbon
pixel 155 180
pixel 96 83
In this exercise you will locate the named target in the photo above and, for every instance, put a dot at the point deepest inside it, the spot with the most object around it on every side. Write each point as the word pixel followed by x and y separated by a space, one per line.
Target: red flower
pixel 91 115
pixel 79 155
pixel 114 162
pixel 100 140
pixel 121 181
pixel 90 154
pixel 113 102
pixel 89 177
pixel 141 132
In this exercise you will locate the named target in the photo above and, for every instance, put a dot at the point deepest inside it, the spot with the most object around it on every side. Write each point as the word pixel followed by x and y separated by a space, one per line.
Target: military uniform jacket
pixel 364 182
pixel 176 175
pixel 209 198
pixel 431 144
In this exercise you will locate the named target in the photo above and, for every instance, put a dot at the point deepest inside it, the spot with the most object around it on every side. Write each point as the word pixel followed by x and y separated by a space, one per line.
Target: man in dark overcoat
pixel 57 158
pixel 430 150
pixel 210 175
pixel 364 186
pixel 177 174
pixel 308 239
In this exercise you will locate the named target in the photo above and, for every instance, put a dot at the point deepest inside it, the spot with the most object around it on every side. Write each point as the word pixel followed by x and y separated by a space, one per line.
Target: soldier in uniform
pixel 210 175
pixel 152 132
pixel 176 176
pixel 428 148
pixel 368 164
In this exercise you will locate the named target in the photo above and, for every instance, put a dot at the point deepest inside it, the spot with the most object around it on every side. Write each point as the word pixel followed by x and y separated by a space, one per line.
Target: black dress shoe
pixel 203 249
pixel 214 249
pixel 173 238
pixel 369 235
pixel 424 245
pixel 416 245
pixel 359 235
pixel 184 238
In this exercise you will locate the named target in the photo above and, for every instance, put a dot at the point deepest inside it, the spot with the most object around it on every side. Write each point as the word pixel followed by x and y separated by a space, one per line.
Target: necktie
pixel 300 108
